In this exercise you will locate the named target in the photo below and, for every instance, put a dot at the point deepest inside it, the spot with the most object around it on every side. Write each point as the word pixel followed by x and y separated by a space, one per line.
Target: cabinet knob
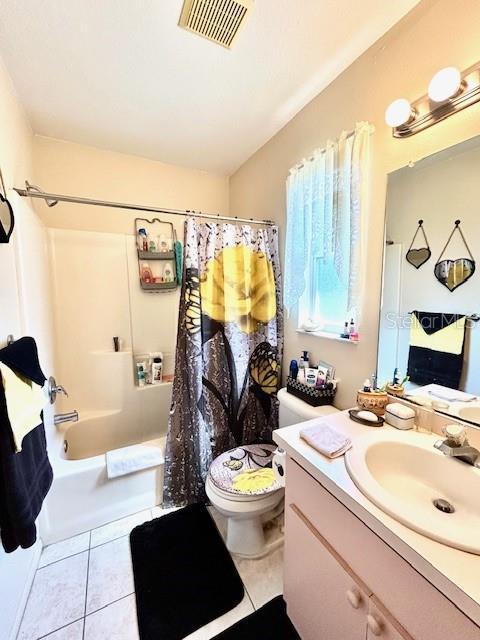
pixel 374 625
pixel 354 598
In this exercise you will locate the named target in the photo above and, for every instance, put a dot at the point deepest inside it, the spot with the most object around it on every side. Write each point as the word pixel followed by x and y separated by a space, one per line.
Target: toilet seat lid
pixel 245 470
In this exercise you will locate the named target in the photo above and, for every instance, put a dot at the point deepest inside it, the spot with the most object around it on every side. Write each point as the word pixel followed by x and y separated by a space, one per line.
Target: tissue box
pixel 399 416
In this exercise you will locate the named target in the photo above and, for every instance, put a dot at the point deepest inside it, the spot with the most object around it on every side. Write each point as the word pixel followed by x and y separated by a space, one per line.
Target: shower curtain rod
pixel 30 191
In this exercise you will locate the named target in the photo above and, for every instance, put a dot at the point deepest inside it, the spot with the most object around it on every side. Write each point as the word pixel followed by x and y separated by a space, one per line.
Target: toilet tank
pixel 293 410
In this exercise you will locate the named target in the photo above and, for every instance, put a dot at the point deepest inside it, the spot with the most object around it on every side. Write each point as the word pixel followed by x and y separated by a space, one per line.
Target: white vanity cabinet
pixel 343 582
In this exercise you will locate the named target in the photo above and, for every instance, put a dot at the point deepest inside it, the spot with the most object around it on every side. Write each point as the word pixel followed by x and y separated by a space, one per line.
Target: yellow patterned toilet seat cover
pixel 245 470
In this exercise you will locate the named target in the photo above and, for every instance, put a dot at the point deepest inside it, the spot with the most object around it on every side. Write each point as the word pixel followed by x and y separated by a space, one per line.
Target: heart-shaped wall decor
pixel 417 257
pixel 453 273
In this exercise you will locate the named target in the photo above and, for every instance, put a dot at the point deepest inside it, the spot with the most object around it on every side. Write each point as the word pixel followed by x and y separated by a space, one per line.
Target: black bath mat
pixel 271 621
pixel 184 575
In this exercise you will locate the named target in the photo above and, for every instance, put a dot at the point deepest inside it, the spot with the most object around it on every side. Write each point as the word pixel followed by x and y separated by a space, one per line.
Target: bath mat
pixel 271 621
pixel 184 575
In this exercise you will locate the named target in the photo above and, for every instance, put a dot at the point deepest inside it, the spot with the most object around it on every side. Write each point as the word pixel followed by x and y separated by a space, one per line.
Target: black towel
pixel 25 477
pixel 427 366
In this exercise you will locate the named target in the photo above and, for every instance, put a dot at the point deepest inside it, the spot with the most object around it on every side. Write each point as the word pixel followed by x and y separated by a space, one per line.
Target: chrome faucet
pixel 60 418
pixel 456 445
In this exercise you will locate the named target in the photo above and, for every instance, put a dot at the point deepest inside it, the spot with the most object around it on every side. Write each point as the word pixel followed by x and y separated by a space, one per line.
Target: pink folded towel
pixel 326 440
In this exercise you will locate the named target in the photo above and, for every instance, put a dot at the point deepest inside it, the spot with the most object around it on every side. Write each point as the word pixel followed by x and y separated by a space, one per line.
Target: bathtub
pixel 82 497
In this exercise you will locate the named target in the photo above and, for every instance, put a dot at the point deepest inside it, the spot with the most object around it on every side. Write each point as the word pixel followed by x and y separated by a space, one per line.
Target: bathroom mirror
pixel 430 330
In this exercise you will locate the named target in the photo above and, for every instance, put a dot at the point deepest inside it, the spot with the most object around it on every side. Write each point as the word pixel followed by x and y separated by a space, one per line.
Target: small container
pixel 141 374
pixel 168 272
pixel 293 369
pixel 375 401
pixel 399 416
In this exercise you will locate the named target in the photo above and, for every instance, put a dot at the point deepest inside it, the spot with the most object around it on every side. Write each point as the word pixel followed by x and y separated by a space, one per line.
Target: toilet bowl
pixel 241 484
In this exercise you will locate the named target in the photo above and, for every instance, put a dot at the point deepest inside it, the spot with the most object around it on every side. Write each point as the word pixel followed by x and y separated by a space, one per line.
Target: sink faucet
pixel 60 418
pixel 456 445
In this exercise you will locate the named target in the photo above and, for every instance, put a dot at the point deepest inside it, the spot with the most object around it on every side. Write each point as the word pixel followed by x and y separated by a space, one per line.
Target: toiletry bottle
pixel 141 374
pixel 396 377
pixel 146 274
pixel 374 382
pixel 163 246
pixel 301 375
pixel 304 363
pixel 152 246
pixel 321 380
pixel 144 237
pixel 293 372
pixel 168 272
pixel 311 376
pixel 345 333
pixel 367 387
pixel 351 328
pixel 156 370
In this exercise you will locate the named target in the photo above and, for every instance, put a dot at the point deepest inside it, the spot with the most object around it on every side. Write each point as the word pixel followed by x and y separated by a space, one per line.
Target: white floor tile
pixel 119 528
pixel 118 621
pixel 64 549
pixel 57 597
pixel 210 630
pixel 110 574
pixel 72 632
pixel 262 578
pixel 158 512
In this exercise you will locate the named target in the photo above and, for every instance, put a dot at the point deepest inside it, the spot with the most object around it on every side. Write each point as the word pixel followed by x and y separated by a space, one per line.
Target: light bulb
pixel 398 113
pixel 445 84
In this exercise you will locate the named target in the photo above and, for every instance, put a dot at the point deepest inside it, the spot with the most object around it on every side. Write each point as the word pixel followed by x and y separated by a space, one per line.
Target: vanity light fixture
pixel 449 91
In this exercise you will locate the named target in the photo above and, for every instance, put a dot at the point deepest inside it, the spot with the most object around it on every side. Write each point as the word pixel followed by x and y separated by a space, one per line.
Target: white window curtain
pixel 326 201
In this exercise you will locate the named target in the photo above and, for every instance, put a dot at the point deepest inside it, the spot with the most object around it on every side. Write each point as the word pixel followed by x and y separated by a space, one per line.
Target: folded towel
pixel 25 403
pixel 137 457
pixel 326 440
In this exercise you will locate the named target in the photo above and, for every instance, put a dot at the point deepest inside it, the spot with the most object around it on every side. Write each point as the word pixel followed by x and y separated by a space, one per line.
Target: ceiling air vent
pixel 218 20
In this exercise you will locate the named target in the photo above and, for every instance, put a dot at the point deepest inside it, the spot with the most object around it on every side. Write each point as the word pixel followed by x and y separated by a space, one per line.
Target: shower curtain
pixel 227 365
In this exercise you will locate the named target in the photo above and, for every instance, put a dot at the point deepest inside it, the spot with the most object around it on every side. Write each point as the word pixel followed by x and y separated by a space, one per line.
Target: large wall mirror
pixel 430 310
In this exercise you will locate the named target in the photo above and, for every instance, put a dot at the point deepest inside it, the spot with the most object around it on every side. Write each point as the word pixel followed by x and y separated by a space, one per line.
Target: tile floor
pixel 83 588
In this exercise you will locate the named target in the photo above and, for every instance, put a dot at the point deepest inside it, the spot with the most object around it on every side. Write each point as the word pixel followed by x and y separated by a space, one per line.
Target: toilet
pixel 242 486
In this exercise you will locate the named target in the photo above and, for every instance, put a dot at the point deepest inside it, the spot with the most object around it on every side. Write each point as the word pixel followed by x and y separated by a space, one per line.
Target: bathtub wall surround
pixel 95 276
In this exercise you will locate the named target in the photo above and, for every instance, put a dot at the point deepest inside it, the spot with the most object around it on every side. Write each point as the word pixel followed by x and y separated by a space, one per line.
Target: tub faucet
pixel 60 418
pixel 457 446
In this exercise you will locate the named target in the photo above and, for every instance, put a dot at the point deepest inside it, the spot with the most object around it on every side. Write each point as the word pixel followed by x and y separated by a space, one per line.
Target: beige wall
pixel 24 310
pixel 74 169
pixel 435 34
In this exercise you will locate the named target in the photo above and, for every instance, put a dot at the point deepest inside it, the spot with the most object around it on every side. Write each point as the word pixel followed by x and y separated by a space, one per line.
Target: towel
pixel 26 476
pixel 137 457
pixel 436 348
pixel 326 440
pixel 25 402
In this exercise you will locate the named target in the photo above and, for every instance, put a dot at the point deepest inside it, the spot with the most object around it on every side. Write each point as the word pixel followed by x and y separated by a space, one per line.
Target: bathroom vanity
pixel 351 570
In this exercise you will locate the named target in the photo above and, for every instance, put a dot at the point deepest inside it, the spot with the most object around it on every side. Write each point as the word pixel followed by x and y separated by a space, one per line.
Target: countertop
pixel 455 573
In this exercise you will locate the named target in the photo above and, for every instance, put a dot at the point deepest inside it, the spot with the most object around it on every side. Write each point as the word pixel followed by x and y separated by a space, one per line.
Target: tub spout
pixel 60 418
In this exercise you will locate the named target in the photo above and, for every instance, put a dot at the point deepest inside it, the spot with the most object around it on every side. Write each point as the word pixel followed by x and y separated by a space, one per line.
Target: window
pixel 325 202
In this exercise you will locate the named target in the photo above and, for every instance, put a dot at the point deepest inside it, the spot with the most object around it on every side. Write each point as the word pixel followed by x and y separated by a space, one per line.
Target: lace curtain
pixel 325 204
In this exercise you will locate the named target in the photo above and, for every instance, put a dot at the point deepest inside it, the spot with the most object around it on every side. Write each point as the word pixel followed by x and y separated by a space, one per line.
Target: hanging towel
pixel 326 440
pixel 437 343
pixel 25 402
pixel 26 476
pixel 137 457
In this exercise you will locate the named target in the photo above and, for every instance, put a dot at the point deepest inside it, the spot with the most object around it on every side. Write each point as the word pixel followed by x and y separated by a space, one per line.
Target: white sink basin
pixel 402 473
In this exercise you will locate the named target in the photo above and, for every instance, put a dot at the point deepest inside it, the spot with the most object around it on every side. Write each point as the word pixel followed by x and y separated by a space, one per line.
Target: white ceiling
pixel 120 74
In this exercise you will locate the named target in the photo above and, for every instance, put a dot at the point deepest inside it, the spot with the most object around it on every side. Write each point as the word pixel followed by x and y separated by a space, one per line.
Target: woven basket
pixel 310 395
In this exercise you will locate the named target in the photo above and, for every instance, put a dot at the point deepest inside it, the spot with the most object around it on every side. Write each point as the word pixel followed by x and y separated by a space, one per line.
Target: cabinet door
pixel 381 625
pixel 323 601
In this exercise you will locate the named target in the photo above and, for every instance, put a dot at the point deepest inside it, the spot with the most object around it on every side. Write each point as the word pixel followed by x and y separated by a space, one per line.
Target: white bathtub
pixel 82 497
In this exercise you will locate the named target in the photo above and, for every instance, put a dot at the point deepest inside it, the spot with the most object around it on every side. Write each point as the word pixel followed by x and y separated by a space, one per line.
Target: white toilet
pixel 241 484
